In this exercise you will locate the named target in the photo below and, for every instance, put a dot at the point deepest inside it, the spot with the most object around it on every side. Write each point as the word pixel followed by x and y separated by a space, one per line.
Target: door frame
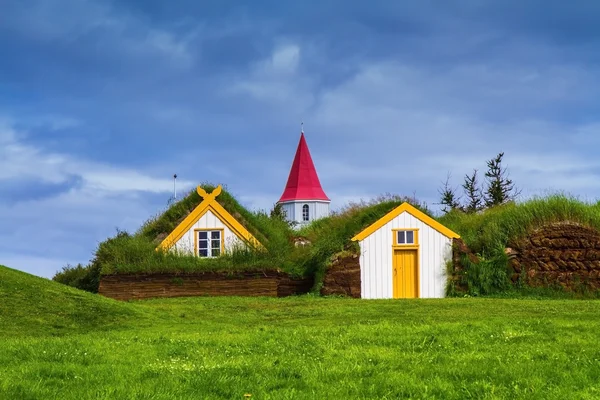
pixel 407 247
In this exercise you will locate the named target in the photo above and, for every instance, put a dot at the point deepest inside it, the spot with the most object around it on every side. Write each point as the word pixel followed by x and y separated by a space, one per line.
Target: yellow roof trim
pixel 209 203
pixel 426 219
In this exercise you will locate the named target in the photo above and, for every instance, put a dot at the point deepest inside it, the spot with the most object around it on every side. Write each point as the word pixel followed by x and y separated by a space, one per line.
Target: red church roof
pixel 303 182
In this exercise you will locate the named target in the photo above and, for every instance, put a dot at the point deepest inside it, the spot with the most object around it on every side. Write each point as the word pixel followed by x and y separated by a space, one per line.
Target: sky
pixel 101 102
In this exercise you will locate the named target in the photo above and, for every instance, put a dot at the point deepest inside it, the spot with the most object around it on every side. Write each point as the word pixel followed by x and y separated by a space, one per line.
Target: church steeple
pixel 303 198
pixel 303 182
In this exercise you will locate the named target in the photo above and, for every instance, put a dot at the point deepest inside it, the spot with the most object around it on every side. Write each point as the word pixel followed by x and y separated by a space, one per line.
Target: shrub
pixel 81 277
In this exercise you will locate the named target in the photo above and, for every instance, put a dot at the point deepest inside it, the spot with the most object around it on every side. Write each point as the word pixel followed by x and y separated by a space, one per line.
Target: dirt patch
pixel 343 277
pixel 259 283
pixel 565 254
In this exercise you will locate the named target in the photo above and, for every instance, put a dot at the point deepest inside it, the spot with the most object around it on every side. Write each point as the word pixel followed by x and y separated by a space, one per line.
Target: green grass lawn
pixel 60 343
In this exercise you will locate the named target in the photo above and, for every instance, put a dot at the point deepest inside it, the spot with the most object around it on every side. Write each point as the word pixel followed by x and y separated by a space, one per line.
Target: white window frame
pixel 212 242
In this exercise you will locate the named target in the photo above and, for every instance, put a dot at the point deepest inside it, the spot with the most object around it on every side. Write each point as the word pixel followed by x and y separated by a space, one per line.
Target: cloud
pixel 106 101
pixel 58 207
pixel 284 60
pixel 275 80
pixel 27 162
pixel 117 31
pixel 399 126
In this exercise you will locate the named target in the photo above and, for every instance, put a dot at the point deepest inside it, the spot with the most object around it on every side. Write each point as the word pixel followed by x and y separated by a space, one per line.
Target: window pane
pixel 203 244
pixel 401 239
pixel 203 235
pixel 215 244
pixel 410 237
pixel 215 235
pixel 203 253
pixel 216 252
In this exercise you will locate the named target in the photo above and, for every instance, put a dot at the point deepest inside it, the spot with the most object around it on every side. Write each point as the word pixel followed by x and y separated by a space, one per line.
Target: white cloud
pixel 67 226
pixel 283 60
pixel 276 80
pixel 400 127
pixel 26 161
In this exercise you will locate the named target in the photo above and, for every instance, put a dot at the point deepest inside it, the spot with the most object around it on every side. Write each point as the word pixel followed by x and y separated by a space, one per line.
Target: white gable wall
pixel 376 259
pixel 208 221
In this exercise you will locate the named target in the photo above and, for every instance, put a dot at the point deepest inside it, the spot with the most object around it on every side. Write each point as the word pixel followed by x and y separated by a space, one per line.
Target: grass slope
pixel 489 232
pixel 31 306
pixel 61 343
pixel 500 225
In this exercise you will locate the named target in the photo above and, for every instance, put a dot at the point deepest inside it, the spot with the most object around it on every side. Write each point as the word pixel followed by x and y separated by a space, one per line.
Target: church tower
pixel 303 198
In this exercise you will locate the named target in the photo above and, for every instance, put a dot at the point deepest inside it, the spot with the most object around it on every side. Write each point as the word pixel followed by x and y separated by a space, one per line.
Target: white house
pixel 209 230
pixel 404 255
pixel 303 199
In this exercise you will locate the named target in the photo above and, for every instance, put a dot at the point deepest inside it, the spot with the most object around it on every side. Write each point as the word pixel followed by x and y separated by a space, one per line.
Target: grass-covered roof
pixel 159 227
pixel 499 226
pixel 126 253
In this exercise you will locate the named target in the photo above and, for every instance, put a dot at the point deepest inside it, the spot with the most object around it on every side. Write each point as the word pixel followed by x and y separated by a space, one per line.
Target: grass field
pixel 61 343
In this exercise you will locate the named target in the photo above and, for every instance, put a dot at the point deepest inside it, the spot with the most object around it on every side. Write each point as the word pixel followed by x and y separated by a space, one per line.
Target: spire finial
pixel 302 126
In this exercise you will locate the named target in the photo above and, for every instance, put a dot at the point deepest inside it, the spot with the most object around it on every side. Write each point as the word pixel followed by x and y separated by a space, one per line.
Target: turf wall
pixel 258 283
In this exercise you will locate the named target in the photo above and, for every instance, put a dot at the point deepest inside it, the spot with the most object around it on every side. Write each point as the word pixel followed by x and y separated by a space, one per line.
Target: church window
pixel 305 214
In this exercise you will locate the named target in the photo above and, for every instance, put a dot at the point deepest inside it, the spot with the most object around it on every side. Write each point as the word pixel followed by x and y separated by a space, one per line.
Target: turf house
pixel 209 230
pixel 403 255
pixel 207 243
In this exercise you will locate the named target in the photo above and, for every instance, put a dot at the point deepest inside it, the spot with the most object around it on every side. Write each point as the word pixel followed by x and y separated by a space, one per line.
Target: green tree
pixel 473 192
pixel 500 189
pixel 448 198
pixel 278 212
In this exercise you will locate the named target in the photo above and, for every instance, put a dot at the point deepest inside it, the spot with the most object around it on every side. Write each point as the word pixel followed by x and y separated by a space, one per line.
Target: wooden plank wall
pixel 144 286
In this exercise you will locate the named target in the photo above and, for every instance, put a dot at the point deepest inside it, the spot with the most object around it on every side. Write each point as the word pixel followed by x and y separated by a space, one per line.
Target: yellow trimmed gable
pixel 208 204
pixel 426 219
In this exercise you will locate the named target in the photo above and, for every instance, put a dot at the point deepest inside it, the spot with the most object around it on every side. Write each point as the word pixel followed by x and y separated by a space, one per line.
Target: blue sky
pixel 102 101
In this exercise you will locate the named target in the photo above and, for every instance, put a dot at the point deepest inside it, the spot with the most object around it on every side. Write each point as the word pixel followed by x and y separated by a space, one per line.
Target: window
pixel 209 243
pixel 305 214
pixel 405 237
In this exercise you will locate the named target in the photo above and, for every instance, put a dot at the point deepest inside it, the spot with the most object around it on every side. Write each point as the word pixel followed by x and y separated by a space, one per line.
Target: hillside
pixel 307 347
pixel 34 306
pixel 548 238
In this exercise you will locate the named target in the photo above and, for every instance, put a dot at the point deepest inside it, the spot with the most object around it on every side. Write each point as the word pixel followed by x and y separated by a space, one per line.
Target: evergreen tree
pixel 500 189
pixel 473 192
pixel 448 198
pixel 278 212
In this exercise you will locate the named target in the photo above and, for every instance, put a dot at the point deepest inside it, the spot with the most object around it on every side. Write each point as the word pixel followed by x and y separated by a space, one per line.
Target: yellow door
pixel 405 274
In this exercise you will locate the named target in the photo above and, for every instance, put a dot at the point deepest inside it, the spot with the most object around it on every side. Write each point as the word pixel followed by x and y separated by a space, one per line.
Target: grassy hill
pixel 489 232
pixel 58 342
pixel 30 305
pixel 498 226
